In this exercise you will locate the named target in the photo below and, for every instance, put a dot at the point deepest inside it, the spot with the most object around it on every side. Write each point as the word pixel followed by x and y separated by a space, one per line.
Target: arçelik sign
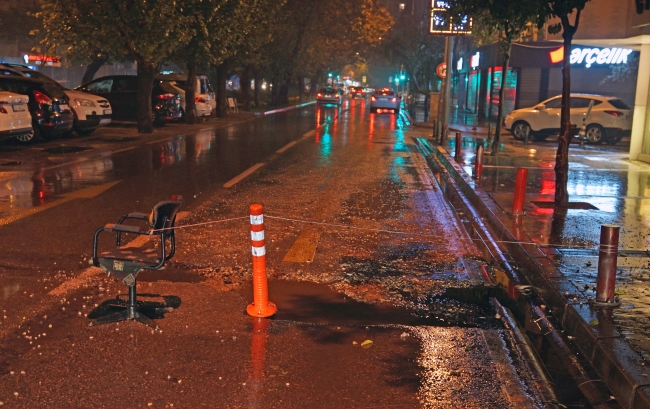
pixel 591 56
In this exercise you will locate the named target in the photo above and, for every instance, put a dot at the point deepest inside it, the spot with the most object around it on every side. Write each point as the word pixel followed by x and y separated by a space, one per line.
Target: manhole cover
pixel 571 205
pixel 119 139
pixel 65 149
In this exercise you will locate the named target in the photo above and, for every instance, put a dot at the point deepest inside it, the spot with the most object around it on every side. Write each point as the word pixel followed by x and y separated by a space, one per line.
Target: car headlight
pixel 84 103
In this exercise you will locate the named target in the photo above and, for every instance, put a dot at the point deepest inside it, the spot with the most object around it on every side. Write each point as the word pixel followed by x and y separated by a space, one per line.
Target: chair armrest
pixel 124 228
pixel 136 215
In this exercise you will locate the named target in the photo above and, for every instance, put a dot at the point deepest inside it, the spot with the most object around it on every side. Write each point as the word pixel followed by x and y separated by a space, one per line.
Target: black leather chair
pixel 124 262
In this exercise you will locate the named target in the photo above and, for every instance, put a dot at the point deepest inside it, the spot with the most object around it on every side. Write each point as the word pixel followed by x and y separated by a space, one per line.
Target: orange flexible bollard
pixel 261 307
pixel 478 163
pixel 459 145
pixel 520 191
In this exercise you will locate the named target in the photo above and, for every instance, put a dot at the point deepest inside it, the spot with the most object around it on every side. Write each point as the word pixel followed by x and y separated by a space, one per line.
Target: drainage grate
pixel 119 139
pixel 65 149
pixel 572 205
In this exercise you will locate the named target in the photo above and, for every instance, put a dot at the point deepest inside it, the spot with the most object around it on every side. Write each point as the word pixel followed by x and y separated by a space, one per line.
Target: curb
pixel 275 111
pixel 620 367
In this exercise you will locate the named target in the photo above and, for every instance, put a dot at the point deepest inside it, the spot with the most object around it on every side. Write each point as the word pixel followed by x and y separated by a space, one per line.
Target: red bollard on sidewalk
pixel 607 260
pixel 459 145
pixel 443 135
pixel 478 162
pixel 261 307
pixel 520 191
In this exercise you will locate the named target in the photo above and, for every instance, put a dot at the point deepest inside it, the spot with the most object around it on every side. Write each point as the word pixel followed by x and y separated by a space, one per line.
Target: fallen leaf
pixel 366 344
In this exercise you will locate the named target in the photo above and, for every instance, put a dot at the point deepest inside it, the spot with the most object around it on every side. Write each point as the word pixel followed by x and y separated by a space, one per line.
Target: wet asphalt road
pixel 350 206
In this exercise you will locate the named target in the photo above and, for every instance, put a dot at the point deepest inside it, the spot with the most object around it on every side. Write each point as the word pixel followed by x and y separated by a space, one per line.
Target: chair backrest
pixel 163 214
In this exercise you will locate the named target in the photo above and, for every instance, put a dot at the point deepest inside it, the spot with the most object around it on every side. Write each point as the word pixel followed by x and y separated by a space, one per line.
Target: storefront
pixel 535 74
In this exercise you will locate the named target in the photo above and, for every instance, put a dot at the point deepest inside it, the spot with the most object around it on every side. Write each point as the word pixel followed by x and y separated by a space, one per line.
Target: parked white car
pixel 203 96
pixel 609 121
pixel 15 119
pixel 90 111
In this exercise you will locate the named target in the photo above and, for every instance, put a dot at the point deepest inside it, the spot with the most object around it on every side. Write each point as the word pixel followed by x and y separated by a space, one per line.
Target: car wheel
pixel 32 137
pixel 519 130
pixel 613 140
pixel 595 134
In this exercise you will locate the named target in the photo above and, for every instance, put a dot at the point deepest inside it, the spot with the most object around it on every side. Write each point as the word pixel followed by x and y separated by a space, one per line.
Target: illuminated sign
pixel 38 59
pixel 443 23
pixel 474 60
pixel 590 56
pixel 459 64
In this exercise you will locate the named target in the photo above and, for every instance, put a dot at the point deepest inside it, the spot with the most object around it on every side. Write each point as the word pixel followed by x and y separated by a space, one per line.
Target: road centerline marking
pixel 303 249
pixel 232 182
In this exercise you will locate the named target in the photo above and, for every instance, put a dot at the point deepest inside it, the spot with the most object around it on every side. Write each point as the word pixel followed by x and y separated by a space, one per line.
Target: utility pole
pixel 445 96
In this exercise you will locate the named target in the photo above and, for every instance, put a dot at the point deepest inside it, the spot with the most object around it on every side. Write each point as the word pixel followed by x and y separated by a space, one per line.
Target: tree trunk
pixel 256 91
pixel 245 85
pixel 190 92
pixel 92 68
pixel 222 77
pixel 502 100
pixel 146 72
pixel 562 155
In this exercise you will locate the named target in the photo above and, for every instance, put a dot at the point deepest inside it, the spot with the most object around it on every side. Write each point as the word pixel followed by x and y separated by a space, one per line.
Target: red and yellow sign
pixel 40 59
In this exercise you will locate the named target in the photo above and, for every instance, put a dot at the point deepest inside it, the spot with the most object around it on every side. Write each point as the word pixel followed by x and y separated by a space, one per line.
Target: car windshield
pixel 618 103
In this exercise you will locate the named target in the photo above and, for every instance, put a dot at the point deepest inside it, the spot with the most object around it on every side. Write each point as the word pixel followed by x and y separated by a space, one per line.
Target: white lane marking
pixel 285 147
pixel 310 133
pixel 158 141
pixel 232 182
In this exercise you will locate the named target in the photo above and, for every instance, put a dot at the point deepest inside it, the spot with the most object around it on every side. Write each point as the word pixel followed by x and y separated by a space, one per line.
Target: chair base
pixel 128 313
pixel 131 310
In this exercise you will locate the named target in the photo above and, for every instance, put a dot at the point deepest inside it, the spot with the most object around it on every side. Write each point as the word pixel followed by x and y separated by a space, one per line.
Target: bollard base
pixel 599 304
pixel 263 311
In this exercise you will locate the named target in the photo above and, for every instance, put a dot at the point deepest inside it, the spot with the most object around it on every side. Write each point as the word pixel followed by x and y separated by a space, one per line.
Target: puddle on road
pixel 314 303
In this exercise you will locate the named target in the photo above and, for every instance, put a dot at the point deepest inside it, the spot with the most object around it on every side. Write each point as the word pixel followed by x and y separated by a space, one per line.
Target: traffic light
pixel 402 76
pixel 329 74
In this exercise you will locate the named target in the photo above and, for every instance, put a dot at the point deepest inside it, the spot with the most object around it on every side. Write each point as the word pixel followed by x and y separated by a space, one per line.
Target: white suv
pixel 90 111
pixel 609 121
pixel 15 119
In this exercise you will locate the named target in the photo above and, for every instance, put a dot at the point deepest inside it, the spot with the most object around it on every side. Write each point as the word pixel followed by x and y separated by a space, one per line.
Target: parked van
pixel 203 94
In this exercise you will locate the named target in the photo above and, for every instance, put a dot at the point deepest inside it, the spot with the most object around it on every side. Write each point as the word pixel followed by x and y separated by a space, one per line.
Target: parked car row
pixel 55 110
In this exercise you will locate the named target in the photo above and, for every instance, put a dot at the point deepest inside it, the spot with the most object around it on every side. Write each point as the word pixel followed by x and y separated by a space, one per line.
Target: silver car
pixel 329 95
pixel 384 99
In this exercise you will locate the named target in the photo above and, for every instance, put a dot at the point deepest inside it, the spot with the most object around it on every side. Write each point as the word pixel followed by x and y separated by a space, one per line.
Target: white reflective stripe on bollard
pixel 257 235
pixel 259 219
pixel 259 251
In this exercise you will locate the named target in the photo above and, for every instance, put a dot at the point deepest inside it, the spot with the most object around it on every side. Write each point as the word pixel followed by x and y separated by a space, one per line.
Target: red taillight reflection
pixel 615 113
pixel 42 98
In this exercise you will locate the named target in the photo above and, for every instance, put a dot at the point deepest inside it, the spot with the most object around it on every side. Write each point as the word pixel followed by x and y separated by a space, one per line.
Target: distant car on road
pixel 385 99
pixel 609 121
pixel 121 91
pixel 357 92
pixel 15 119
pixel 329 95
pixel 48 105
pixel 90 111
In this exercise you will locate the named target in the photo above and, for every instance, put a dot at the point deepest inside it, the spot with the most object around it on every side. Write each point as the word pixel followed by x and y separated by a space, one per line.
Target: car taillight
pixel 393 100
pixel 373 98
pixel 319 95
pixel 42 98
pixel 166 97
pixel 199 99
pixel 615 113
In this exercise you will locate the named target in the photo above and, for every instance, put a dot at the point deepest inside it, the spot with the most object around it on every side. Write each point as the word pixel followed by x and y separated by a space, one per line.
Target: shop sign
pixel 39 59
pixel 459 64
pixel 442 23
pixel 591 56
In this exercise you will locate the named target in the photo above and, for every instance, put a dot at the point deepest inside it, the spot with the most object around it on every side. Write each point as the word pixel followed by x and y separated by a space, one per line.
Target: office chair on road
pixel 124 262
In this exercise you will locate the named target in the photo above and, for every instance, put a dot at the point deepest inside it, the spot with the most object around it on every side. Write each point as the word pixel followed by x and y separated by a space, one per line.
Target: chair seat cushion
pixel 125 263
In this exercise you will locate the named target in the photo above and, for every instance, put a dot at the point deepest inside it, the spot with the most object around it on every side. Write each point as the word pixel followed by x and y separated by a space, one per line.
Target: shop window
pixel 511 92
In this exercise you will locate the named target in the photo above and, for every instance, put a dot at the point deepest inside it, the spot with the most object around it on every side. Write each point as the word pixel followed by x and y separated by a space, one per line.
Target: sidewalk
pixel 557 251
